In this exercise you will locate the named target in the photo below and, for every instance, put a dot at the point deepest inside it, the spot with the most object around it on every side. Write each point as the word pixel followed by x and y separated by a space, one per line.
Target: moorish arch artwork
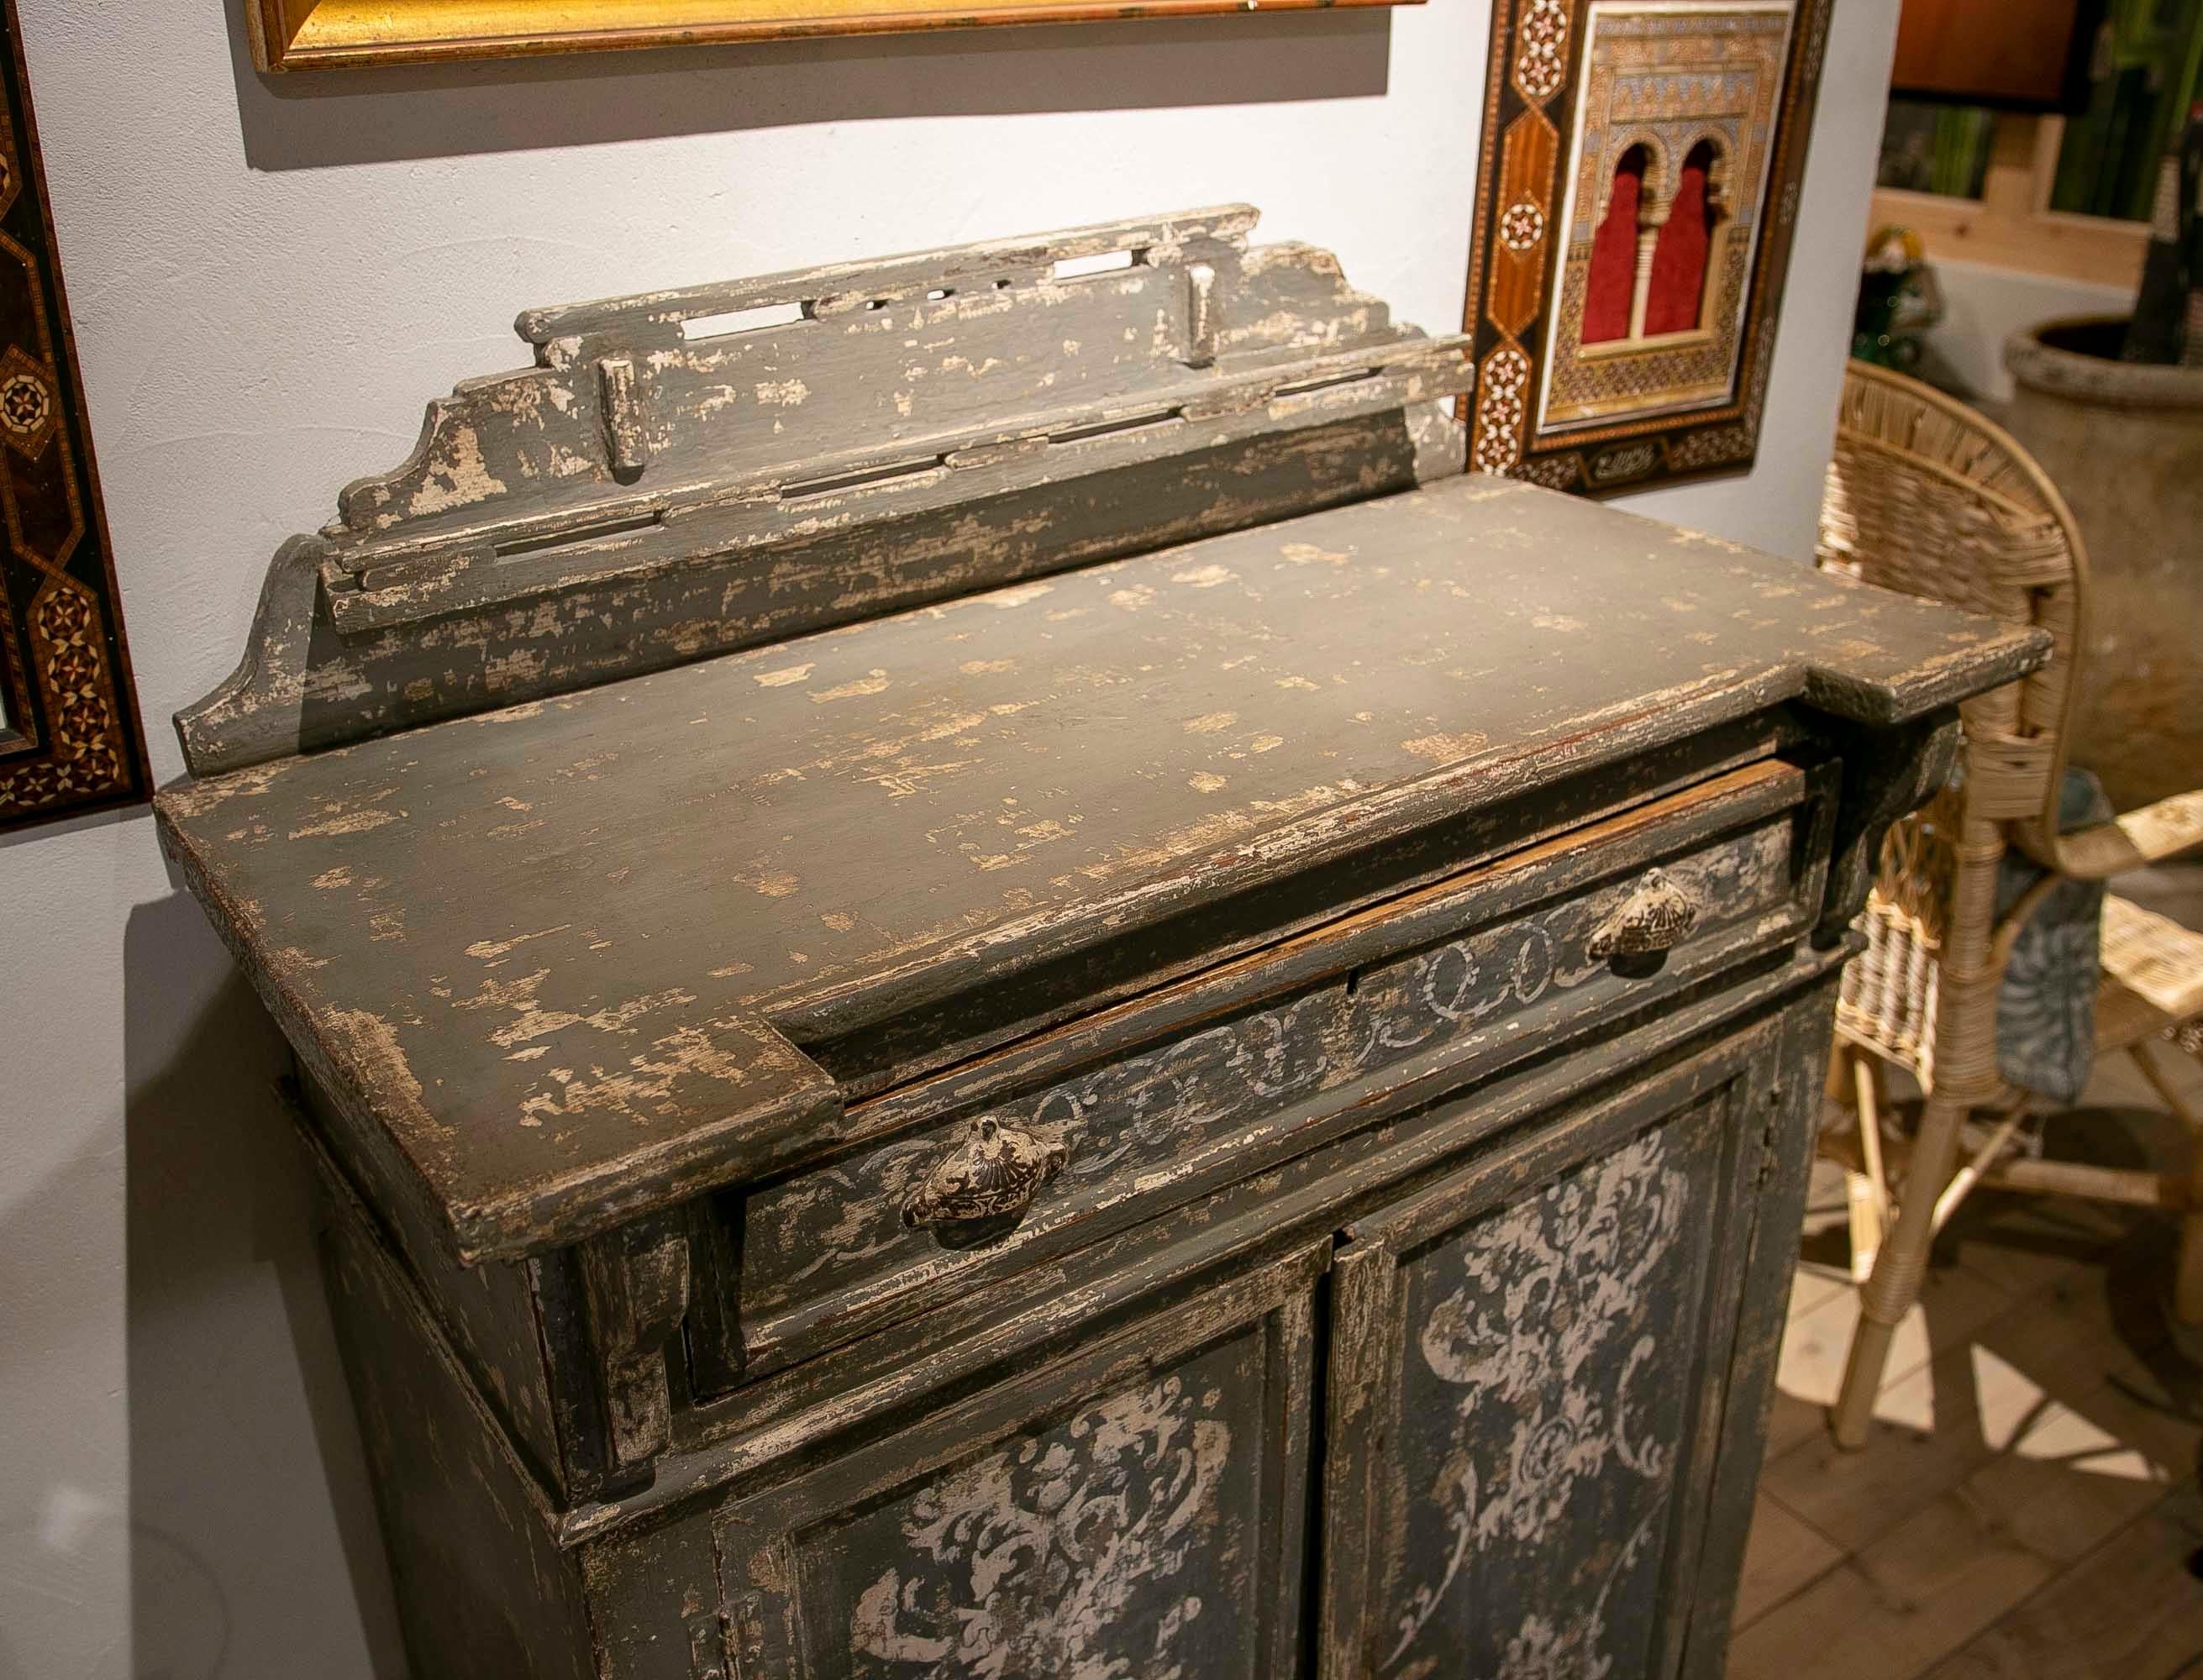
pixel 1635 205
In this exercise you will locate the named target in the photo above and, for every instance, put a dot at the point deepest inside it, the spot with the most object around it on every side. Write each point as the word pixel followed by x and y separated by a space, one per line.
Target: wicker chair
pixel 1927 497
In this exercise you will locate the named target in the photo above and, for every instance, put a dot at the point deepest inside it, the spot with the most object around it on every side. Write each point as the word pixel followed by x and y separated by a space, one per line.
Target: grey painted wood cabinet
pixel 992 984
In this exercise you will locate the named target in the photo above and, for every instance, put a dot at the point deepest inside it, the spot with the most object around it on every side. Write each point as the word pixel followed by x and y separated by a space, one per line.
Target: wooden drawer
pixel 1185 1089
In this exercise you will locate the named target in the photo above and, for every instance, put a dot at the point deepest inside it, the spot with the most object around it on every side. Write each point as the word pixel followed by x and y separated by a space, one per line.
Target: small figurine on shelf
pixel 2168 317
pixel 1897 302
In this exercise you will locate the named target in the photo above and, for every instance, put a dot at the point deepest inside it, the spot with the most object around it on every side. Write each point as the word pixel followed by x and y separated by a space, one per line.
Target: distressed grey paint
pixel 1135 1512
pixel 1551 1356
pixel 561 1015
pixel 930 425
pixel 824 1253
pixel 1151 745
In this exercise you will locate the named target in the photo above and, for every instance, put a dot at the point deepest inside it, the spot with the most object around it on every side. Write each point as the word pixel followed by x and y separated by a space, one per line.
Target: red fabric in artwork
pixel 1679 260
pixel 1612 279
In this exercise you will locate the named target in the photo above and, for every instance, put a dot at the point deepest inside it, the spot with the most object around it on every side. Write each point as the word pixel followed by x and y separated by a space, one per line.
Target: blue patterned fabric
pixel 2046 1007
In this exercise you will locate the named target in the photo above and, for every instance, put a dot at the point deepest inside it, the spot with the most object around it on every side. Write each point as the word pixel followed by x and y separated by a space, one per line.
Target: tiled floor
pixel 2028 1503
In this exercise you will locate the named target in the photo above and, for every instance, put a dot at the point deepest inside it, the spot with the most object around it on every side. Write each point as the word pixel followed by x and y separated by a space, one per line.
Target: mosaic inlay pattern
pixel 69 739
pixel 1727 86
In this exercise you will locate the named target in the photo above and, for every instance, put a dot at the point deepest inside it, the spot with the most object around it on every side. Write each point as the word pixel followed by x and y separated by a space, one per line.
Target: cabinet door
pixel 1135 1511
pixel 1530 1363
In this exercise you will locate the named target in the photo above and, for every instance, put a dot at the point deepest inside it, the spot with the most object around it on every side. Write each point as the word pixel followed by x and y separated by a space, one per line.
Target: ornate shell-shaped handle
pixel 993 1174
pixel 1658 916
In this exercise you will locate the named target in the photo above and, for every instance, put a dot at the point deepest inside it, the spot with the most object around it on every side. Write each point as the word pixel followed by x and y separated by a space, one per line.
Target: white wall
pixel 1983 306
pixel 268 280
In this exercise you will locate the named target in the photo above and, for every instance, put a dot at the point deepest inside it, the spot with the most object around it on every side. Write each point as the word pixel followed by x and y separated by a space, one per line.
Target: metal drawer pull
pixel 992 1175
pixel 1658 916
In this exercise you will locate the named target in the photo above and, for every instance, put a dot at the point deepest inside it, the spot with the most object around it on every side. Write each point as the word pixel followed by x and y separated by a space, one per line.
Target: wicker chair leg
pixel 1898 1269
pixel 2188 1276
pixel 1868 1191
pixel 1963 1182
pixel 1865 1210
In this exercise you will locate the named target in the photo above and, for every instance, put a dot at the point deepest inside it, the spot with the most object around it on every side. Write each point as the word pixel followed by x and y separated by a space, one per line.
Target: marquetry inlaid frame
pixel 309 34
pixel 69 737
pixel 1573 86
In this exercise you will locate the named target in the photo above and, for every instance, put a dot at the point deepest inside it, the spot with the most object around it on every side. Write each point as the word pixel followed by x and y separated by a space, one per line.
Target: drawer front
pixel 1451 982
pixel 1139 1508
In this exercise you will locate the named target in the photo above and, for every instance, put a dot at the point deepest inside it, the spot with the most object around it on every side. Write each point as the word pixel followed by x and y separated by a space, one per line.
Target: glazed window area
pixel 2145 72
pixel 1654 249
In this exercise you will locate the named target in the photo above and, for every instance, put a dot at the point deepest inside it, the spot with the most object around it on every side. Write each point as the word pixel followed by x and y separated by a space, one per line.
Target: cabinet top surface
pixel 544 944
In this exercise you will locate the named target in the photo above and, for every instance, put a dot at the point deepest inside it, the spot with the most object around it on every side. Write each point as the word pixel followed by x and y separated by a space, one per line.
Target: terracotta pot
pixel 2124 443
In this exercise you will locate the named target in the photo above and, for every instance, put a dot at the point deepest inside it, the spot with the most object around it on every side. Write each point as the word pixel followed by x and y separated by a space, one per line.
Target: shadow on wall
pixel 254 1547
pixel 310 119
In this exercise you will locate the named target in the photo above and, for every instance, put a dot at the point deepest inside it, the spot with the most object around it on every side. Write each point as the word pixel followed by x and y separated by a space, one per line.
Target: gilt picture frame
pixel 324 34
pixel 1637 195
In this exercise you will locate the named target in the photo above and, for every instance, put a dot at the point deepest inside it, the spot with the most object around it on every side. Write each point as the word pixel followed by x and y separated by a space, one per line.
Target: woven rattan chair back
pixel 1927 497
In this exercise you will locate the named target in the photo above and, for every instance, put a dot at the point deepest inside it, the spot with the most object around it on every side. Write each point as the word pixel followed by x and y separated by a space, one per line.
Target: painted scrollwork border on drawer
pixel 829 1253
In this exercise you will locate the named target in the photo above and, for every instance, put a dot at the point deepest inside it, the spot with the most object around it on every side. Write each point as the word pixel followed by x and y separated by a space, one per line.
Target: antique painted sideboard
pixel 993 985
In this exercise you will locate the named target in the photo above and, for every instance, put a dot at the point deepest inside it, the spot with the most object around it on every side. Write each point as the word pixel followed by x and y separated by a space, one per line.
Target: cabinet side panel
pixel 488 1311
pixel 1792 1107
pixel 483 1590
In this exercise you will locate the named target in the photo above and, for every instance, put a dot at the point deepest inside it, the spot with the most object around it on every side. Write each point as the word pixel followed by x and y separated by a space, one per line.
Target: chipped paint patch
pixel 518 992
pixel 907 779
pixel 197 799
pixel 1205 577
pixel 349 823
pixel 327 880
pixel 1308 554
pixel 491 950
pixel 1206 781
pixel 370 1044
pixel 1446 749
pixel 1019 595
pixel 849 691
pixel 1209 723
pixel 463 480
pixel 643 1089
